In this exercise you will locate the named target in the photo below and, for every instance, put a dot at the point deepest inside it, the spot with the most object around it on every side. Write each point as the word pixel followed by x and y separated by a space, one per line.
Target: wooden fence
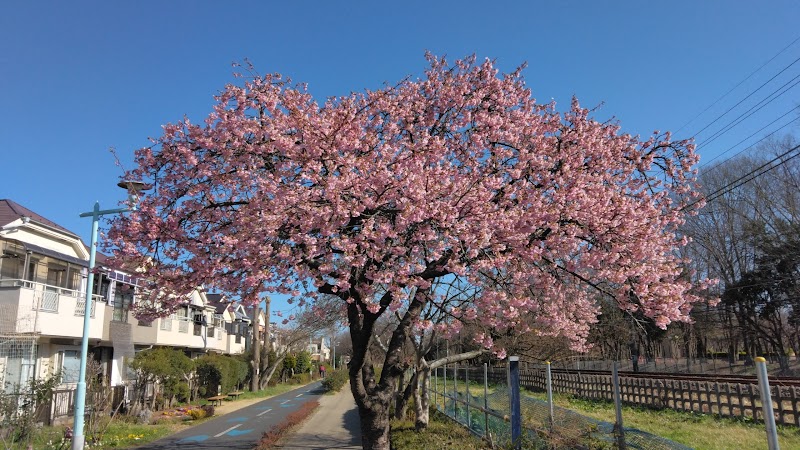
pixel 723 398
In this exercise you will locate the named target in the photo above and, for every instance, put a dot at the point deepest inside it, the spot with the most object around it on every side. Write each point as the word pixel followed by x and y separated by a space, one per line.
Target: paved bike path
pixel 240 429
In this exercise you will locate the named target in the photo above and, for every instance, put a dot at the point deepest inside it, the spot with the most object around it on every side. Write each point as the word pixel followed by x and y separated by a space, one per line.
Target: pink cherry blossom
pixel 373 196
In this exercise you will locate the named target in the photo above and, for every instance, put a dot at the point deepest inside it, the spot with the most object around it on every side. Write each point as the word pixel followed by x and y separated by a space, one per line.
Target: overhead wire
pixel 746 97
pixel 750 136
pixel 753 109
pixel 760 170
pixel 768 166
pixel 775 94
pixel 738 84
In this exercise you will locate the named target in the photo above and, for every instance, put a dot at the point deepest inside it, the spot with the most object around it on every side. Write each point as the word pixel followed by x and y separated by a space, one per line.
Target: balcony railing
pixel 120 315
pixel 47 297
pixel 183 325
pixel 80 307
pixel 166 323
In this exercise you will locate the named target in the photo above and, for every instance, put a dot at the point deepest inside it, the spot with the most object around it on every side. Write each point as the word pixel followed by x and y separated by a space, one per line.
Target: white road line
pixel 285 402
pixel 298 395
pixel 229 429
pixel 264 412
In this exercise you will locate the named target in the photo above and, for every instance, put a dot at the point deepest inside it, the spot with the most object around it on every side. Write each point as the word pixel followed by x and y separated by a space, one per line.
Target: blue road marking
pixel 239 432
pixel 237 419
pixel 199 438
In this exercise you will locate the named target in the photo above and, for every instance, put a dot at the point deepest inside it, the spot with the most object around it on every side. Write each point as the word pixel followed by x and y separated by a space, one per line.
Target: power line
pixel 753 109
pixel 750 175
pixel 747 96
pixel 750 136
pixel 737 85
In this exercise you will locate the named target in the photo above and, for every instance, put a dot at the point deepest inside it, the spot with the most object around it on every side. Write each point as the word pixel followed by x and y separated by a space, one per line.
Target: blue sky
pixel 80 77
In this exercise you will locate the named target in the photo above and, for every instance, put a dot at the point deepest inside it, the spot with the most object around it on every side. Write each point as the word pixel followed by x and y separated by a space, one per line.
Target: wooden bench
pixel 235 394
pixel 217 399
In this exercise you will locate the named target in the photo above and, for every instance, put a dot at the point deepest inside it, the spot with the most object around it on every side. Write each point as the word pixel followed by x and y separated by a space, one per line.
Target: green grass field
pixel 699 431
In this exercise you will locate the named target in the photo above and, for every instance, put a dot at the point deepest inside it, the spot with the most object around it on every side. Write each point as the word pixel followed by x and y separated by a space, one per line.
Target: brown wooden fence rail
pixel 722 397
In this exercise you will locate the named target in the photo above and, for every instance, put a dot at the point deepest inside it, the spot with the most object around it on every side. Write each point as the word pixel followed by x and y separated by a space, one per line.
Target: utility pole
pixel 268 336
pixel 256 363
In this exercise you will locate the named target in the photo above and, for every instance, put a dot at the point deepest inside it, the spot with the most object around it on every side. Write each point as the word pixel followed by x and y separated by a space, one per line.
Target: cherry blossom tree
pixel 374 196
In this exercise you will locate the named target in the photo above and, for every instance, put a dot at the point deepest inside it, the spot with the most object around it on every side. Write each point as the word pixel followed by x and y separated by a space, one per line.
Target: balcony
pixel 31 307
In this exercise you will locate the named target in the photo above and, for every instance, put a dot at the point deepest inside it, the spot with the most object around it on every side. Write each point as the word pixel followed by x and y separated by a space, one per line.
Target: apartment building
pixel 319 350
pixel 43 277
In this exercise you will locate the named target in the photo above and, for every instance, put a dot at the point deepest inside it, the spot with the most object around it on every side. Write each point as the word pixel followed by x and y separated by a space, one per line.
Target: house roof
pixel 218 302
pixel 11 211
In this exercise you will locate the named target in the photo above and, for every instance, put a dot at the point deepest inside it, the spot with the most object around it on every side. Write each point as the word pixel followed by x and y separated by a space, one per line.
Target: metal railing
pixel 480 399
pixel 166 324
pixel 120 315
pixel 80 306
pixel 183 325
pixel 47 297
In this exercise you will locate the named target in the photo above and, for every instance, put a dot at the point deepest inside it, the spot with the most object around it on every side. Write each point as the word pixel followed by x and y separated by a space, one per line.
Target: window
pixel 123 298
pixel 19 370
pixel 11 265
pixel 183 320
pixel 56 275
pixel 101 286
pixel 70 366
pixel 32 274
pixel 198 320
pixel 73 280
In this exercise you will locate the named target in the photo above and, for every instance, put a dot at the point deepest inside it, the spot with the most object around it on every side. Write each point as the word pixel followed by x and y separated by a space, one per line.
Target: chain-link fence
pixel 480 399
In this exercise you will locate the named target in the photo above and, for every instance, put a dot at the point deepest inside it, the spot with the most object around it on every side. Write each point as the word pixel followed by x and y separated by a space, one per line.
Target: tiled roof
pixel 11 211
pixel 218 302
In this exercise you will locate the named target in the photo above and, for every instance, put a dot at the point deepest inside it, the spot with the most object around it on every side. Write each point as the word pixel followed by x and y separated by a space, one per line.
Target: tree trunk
pixel 375 425
pixel 373 398
pixel 265 379
pixel 403 396
pixel 422 400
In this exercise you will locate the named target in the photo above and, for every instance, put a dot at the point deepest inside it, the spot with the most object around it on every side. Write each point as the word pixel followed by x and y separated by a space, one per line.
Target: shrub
pixel 303 362
pixel 144 416
pixel 21 405
pixel 209 410
pixel 335 380
pixel 196 414
pixel 218 370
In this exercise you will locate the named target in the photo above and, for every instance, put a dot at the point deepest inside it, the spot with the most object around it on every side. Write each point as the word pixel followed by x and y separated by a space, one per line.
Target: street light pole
pixel 78 438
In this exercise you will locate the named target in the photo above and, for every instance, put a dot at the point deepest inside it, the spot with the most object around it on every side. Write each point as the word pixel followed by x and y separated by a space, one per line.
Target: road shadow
pixel 352 423
pixel 197 445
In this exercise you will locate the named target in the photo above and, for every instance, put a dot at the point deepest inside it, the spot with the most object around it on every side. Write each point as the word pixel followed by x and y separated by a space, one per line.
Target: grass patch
pixel 442 433
pixel 273 436
pixel 699 431
pixel 119 434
